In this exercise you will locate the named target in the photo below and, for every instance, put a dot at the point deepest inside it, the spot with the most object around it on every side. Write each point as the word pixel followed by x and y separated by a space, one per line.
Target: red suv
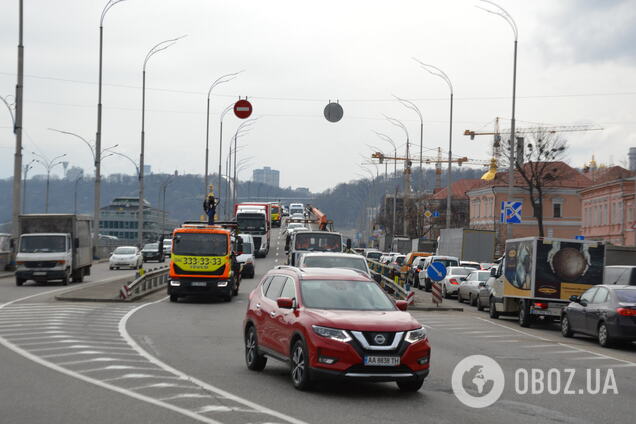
pixel 333 323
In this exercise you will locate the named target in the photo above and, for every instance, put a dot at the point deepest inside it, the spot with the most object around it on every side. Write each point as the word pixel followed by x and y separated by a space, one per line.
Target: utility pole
pixel 17 129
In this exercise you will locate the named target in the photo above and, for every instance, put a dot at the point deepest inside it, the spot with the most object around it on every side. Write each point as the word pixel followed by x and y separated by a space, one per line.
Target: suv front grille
pixel 365 343
pixel 40 264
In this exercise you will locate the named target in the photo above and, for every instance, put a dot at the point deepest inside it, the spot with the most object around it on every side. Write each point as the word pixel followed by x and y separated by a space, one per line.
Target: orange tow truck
pixel 203 261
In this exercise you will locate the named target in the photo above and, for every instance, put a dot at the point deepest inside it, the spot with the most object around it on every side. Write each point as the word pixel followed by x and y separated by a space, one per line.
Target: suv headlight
pixel 332 333
pixel 415 335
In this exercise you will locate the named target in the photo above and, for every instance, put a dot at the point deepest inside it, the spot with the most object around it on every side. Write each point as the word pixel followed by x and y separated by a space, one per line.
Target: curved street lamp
pixel 500 11
pixel 225 111
pixel 434 70
pixel 159 47
pixel 48 165
pixel 389 140
pixel 220 80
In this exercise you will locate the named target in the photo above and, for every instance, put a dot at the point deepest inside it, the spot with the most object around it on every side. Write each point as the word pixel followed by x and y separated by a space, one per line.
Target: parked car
pixel 470 264
pixel 423 279
pixel 125 256
pixel 334 260
pixel 396 262
pixel 333 323
pixel 151 252
pixel 454 277
pixel 620 274
pixel 607 312
pixel 246 258
pixel 469 288
pixel 408 265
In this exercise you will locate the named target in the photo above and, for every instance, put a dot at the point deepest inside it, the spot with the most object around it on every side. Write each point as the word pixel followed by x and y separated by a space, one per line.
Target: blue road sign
pixel 435 214
pixel 511 212
pixel 580 237
pixel 436 271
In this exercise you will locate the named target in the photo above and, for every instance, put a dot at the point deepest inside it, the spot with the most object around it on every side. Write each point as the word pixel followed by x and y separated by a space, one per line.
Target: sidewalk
pixel 424 302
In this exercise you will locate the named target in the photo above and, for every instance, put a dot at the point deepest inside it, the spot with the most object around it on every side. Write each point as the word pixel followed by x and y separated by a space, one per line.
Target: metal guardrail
pixel 149 282
pixel 386 273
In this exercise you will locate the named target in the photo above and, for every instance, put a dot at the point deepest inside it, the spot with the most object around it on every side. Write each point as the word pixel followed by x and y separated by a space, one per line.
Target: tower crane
pixel 496 144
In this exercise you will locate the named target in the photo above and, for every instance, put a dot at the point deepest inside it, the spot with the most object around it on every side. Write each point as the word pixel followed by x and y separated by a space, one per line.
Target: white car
pixel 167 247
pixel 247 257
pixel 469 288
pixel 454 277
pixel 126 257
pixel 334 260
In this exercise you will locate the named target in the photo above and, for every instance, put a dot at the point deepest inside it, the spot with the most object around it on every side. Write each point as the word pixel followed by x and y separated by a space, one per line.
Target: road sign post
pixel 436 271
pixel 436 292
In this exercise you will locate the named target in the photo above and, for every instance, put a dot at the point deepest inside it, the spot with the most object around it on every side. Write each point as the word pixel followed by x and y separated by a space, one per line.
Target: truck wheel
pixel 236 289
pixel 492 311
pixel 19 281
pixel 524 314
pixel 66 279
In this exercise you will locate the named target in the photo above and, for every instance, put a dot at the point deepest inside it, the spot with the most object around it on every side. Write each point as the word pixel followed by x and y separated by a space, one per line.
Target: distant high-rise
pixel 632 159
pixel 266 175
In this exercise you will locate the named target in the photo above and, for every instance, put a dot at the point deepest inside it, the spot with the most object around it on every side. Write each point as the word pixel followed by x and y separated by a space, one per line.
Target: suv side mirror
pixel 575 298
pixel 402 305
pixel 493 272
pixel 285 302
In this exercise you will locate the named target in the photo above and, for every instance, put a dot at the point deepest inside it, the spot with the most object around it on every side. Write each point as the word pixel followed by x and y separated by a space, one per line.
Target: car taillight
pixel 626 312
pixel 540 305
pixel 453 281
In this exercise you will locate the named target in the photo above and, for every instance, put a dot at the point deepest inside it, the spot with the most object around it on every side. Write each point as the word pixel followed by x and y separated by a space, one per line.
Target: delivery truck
pixel 467 244
pixel 54 247
pixel 537 276
pixel 254 219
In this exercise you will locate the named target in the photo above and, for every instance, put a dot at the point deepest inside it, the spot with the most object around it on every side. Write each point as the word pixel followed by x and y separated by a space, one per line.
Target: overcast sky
pixel 576 64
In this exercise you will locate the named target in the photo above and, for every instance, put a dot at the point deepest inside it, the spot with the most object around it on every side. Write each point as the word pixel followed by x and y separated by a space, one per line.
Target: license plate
pixel 39 273
pixel 198 284
pixel 382 361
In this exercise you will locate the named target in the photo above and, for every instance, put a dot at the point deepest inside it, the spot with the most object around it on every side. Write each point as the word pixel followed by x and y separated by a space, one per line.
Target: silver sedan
pixel 469 288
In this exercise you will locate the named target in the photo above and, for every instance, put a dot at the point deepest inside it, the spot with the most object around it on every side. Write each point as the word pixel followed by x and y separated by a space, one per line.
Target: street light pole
pixel 49 165
pixel 409 104
pixel 389 140
pixel 501 12
pixel 97 154
pixel 154 50
pixel 27 167
pixel 17 127
pixel 434 70
pixel 75 197
pixel 225 111
pixel 221 80
pixel 407 163
pixel 164 186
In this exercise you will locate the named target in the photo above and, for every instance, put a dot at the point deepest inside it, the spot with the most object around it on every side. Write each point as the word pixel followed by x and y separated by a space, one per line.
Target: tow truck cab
pixel 203 261
pixel 276 214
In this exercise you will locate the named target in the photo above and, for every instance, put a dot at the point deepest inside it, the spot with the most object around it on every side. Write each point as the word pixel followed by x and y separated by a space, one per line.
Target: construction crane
pixel 496 144
pixel 437 160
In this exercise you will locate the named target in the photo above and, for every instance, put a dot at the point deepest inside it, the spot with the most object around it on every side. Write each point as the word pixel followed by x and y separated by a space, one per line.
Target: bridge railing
pixel 387 279
pixel 150 281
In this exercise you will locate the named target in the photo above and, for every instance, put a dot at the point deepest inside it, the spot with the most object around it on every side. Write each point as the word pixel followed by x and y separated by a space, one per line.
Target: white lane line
pixel 119 368
pixel 586 358
pixel 541 346
pixel 142 376
pixel 124 333
pixel 187 396
pixel 164 386
pixel 494 336
pixel 103 359
pixel 559 352
pixel 560 344
pixel 505 341
pixel 478 332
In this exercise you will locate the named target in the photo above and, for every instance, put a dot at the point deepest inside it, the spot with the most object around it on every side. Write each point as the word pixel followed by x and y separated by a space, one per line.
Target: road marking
pixel 586 358
pixel 227 395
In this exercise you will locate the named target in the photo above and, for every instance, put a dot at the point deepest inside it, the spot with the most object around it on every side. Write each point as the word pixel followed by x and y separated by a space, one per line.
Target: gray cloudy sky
pixel 576 65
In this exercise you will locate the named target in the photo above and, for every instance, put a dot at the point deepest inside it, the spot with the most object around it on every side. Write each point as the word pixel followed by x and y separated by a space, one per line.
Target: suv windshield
pixel 151 247
pixel 251 223
pixel 200 244
pixel 334 262
pixel 41 244
pixel 321 242
pixel 447 262
pixel 342 294
pixel 374 255
pixel 247 247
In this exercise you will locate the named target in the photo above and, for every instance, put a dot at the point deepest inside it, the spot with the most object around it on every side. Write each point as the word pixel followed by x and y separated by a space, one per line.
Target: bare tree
pixel 538 165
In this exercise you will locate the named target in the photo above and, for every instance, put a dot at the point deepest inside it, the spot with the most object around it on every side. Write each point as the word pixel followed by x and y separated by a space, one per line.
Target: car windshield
pixel 293 225
pixel 447 262
pixel 42 244
pixel 470 265
pixel 251 223
pixel 482 275
pixel 200 244
pixel 334 262
pixel 345 295
pixel 374 255
pixel 275 209
pixel 626 296
pixel 167 242
pixel 151 247
pixel 296 211
pixel 247 247
pixel 318 242
pixel 457 270
pixel 399 260
pixel 125 251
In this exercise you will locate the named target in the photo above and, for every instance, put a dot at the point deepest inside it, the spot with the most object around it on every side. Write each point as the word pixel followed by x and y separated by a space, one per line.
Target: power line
pixel 300 99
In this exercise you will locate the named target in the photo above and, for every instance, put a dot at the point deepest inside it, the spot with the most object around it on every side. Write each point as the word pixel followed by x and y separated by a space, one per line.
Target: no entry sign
pixel 242 109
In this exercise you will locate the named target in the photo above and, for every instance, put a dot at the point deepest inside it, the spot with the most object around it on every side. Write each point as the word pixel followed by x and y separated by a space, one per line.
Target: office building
pixel 266 175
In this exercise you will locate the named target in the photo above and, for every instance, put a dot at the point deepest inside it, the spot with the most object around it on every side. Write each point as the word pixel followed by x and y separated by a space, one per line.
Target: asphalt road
pixel 163 362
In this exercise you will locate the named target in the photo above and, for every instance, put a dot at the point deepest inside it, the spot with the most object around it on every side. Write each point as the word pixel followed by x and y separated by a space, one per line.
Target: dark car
pixel 152 252
pixel 333 324
pixel 607 312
